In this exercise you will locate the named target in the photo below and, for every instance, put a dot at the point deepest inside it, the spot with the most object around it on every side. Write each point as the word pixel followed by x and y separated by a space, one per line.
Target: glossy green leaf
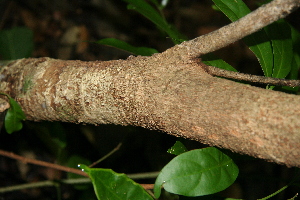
pixel 196 173
pixel 73 162
pixel 16 43
pixel 111 185
pixel 280 35
pixel 258 42
pixel 295 65
pixel 233 9
pixel 177 148
pixel 210 59
pixel 14 117
pixel 153 15
pixel 260 45
pixel 160 5
pixel 296 53
pixel 143 51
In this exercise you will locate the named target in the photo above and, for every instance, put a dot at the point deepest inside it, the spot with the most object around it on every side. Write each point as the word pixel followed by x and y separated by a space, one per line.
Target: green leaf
pixel 280 35
pixel 177 148
pixel 111 185
pixel 233 9
pixel 296 53
pixel 212 60
pixel 196 173
pixel 16 43
pixel 73 162
pixel 143 51
pixel 295 65
pixel 13 117
pixel 153 15
pixel 261 46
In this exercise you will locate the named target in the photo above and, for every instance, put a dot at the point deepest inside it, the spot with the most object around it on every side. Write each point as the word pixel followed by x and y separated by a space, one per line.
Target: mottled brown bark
pixel 237 30
pixel 156 92
pixel 169 92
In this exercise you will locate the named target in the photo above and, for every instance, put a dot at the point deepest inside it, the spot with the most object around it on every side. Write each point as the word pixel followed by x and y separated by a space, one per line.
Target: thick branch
pixel 168 92
pixel 237 30
pixel 161 93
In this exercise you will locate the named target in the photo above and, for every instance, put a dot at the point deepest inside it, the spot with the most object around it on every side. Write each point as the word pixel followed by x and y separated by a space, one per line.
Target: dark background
pixel 60 27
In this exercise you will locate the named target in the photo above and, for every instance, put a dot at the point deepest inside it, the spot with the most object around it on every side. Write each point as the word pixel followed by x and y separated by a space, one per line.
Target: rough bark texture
pixel 169 92
pixel 158 92
pixel 237 30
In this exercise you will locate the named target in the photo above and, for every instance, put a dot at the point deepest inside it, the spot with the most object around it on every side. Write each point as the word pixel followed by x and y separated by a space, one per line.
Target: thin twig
pixel 66 169
pixel 49 183
pixel 28 186
pixel 42 163
pixel 107 155
pixel 143 175
pixel 147 186
pixel 249 77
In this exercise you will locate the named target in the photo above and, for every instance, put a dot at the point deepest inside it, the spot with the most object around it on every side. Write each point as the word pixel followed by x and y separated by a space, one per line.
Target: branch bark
pixel 170 91
pixel 237 30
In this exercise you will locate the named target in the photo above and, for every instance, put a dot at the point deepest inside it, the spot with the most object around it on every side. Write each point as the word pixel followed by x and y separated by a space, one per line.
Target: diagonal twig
pixel 249 77
pixel 107 155
pixel 237 30
pixel 42 163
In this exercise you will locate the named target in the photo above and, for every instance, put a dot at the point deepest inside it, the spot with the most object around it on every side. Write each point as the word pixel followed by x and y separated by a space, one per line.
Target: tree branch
pixel 237 30
pixel 161 93
pixel 170 92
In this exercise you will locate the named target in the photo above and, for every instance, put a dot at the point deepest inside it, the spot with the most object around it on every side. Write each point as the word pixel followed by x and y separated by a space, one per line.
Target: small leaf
pixel 13 117
pixel 143 51
pixel 111 185
pixel 177 148
pixel 153 15
pixel 233 9
pixel 196 173
pixel 73 162
pixel 16 43
pixel 212 60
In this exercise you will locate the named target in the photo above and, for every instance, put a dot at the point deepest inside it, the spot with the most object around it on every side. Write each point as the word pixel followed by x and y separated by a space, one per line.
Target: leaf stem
pixel 107 155
pixel 271 195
